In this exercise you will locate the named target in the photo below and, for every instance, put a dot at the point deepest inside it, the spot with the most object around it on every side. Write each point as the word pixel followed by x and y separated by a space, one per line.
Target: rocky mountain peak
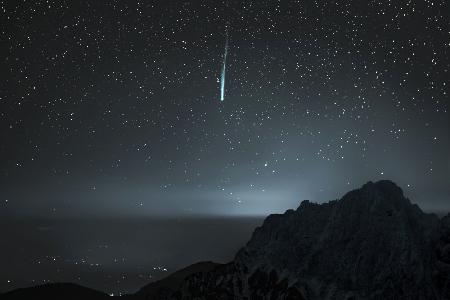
pixel 371 244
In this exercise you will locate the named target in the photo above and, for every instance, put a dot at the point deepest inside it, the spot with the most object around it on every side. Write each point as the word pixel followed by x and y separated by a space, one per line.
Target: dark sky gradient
pixel 112 108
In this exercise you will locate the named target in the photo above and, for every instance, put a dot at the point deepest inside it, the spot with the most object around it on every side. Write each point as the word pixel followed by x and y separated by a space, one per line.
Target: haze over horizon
pixel 112 111
pixel 113 108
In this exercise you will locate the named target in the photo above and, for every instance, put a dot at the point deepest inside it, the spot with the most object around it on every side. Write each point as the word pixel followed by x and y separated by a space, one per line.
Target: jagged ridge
pixel 371 244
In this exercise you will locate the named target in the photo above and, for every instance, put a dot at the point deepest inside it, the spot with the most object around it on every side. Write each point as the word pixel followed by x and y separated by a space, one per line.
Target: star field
pixel 112 109
pixel 117 103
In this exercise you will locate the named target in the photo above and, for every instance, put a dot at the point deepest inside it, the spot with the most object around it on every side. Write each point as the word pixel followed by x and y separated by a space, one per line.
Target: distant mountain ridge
pixel 50 291
pixel 371 244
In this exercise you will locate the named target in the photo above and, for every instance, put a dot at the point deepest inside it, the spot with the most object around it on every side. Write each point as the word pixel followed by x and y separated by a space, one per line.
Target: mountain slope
pixel 167 286
pixel 371 244
pixel 68 291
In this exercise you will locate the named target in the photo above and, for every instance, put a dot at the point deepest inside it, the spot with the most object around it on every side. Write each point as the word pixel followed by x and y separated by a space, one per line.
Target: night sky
pixel 113 109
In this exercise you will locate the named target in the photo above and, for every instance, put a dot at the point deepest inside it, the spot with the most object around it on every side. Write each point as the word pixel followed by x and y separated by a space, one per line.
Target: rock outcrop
pixel 371 244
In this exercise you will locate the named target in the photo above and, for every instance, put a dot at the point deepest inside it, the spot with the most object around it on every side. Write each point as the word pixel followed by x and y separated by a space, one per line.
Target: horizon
pixel 137 122
pixel 103 249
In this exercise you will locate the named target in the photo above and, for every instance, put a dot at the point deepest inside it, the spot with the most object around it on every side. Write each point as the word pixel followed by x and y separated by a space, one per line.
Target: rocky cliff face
pixel 371 244
pixel 442 264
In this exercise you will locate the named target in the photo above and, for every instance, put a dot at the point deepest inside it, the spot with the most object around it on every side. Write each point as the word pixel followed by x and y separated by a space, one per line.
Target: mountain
pixel 371 244
pixel 167 286
pixel 53 291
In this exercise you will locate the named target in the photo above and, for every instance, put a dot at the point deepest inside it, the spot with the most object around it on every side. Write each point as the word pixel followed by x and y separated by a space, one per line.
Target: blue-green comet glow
pixel 224 66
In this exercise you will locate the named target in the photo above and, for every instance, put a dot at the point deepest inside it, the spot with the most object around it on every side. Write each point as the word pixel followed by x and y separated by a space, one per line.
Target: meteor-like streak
pixel 224 67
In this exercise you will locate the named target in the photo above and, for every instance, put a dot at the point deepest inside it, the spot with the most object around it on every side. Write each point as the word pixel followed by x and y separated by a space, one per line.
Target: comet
pixel 224 68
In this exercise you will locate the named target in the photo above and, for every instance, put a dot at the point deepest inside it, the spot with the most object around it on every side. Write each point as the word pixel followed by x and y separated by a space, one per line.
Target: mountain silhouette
pixel 167 286
pixel 371 244
pixel 67 291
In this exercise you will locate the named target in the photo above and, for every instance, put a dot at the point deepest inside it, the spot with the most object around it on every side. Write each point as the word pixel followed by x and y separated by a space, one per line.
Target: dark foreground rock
pixel 69 291
pixel 165 288
pixel 371 244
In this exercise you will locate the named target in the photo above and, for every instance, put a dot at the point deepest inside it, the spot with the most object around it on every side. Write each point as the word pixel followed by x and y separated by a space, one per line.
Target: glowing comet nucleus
pixel 224 67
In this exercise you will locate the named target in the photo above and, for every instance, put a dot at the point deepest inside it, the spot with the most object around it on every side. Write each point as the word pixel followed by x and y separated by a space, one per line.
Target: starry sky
pixel 113 108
